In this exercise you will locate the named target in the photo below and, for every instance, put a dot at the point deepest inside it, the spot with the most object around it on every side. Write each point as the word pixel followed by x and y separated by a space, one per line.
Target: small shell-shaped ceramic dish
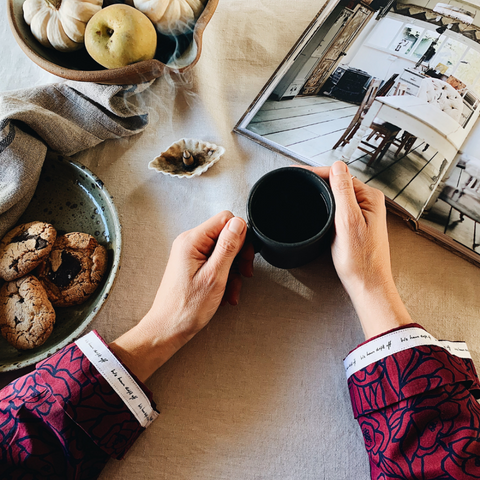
pixel 200 155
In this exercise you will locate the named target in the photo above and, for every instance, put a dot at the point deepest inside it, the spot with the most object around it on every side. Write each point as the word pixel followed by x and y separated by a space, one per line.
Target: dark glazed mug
pixel 290 214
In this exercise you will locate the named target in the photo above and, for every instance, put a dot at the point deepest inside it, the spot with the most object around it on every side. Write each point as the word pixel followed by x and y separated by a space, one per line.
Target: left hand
pixel 198 278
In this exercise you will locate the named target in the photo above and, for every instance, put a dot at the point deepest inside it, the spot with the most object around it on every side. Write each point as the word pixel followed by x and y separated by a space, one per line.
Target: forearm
pixel 147 346
pixel 379 307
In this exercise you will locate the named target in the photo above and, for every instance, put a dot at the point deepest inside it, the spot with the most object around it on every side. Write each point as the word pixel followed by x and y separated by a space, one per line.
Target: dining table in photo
pixel 422 119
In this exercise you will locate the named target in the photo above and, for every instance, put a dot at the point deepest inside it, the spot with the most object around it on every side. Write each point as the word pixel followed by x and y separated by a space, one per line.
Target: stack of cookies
pixel 44 270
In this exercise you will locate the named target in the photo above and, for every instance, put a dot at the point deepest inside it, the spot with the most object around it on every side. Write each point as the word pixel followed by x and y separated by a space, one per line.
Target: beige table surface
pixel 261 392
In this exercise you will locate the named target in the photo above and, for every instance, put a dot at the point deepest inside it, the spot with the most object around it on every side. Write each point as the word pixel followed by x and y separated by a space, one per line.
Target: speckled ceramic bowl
pixel 71 198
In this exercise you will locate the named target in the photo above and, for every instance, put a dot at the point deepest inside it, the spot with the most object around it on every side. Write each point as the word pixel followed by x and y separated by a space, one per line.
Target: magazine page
pixel 455 213
pixel 392 90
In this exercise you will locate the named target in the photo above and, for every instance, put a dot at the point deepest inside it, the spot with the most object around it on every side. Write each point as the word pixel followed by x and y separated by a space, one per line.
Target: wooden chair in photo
pixel 465 198
pixel 387 86
pixel 400 89
pixel 385 131
pixel 406 140
pixel 360 114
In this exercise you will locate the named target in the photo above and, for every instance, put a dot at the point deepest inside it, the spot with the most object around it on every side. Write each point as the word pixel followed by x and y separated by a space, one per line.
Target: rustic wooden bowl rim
pixel 136 73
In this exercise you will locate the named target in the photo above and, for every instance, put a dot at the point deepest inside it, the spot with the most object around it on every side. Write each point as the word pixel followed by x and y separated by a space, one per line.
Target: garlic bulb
pixel 60 24
pixel 171 17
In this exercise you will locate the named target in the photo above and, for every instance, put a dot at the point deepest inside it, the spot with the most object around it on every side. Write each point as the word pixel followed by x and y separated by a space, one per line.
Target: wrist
pixel 379 308
pixel 146 347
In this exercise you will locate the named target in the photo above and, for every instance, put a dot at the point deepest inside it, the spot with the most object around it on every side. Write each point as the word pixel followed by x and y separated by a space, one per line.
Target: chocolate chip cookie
pixel 73 270
pixel 24 247
pixel 26 315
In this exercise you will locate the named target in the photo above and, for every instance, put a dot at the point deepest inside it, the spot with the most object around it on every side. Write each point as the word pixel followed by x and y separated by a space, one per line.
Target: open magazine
pixel 392 88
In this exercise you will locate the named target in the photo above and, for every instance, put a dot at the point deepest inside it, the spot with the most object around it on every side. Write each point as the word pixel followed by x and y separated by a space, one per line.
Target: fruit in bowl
pixel 175 54
pixel 171 17
pixel 60 24
pixel 120 35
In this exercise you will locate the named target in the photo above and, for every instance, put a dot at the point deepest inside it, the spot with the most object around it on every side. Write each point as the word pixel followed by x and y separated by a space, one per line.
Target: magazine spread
pixel 392 88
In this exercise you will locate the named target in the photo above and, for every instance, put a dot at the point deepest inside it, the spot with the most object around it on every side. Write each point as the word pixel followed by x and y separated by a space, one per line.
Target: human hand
pixel 199 275
pixel 197 279
pixel 360 251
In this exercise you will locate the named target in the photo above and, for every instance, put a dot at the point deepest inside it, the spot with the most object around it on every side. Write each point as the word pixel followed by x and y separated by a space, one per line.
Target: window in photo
pixel 449 54
pixel 427 39
pixel 468 69
pixel 406 40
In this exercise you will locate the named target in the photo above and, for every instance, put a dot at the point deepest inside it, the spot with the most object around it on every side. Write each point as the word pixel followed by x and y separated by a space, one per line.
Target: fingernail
pixel 236 226
pixel 338 168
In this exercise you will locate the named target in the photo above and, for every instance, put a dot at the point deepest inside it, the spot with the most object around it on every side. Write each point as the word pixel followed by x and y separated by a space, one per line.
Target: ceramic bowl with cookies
pixel 43 270
pixel 57 265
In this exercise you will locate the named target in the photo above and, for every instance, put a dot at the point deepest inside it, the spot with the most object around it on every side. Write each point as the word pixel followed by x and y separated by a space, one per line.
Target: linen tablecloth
pixel 261 392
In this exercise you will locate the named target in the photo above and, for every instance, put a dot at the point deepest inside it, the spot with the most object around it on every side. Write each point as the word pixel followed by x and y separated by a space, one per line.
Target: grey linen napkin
pixel 63 117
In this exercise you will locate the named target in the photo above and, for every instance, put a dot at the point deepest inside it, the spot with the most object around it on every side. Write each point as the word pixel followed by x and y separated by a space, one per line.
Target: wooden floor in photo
pixel 448 220
pixel 310 127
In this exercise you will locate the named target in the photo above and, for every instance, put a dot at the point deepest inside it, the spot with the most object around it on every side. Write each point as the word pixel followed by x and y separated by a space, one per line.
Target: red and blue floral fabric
pixel 63 421
pixel 419 415
pixel 417 410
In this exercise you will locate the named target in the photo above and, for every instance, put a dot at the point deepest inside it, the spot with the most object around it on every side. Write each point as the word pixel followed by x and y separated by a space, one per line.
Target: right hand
pixel 360 251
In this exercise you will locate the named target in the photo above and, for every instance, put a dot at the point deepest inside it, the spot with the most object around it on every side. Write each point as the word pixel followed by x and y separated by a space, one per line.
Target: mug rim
pixel 326 191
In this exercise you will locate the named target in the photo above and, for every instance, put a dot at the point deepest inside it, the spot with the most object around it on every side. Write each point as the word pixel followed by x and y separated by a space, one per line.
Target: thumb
pixel 229 243
pixel 341 183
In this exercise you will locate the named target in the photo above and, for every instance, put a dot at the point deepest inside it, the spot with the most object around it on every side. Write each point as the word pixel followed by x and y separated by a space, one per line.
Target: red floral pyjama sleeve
pixel 417 407
pixel 64 420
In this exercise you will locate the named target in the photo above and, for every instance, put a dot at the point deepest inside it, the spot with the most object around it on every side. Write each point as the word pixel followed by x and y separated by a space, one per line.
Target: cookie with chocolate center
pixel 73 269
pixel 25 247
pixel 26 315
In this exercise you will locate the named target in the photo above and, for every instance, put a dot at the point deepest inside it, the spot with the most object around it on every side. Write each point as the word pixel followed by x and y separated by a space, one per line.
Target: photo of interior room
pixel 456 212
pixel 416 64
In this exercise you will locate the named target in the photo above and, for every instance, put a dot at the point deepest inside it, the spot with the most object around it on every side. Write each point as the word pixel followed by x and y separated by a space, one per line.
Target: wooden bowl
pixel 79 66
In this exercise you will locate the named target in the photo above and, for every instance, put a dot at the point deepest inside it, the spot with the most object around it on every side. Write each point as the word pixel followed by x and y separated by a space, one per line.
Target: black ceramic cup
pixel 290 214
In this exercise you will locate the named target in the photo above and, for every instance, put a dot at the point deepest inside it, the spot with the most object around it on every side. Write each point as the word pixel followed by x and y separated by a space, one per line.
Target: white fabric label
pixel 118 377
pixel 395 342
